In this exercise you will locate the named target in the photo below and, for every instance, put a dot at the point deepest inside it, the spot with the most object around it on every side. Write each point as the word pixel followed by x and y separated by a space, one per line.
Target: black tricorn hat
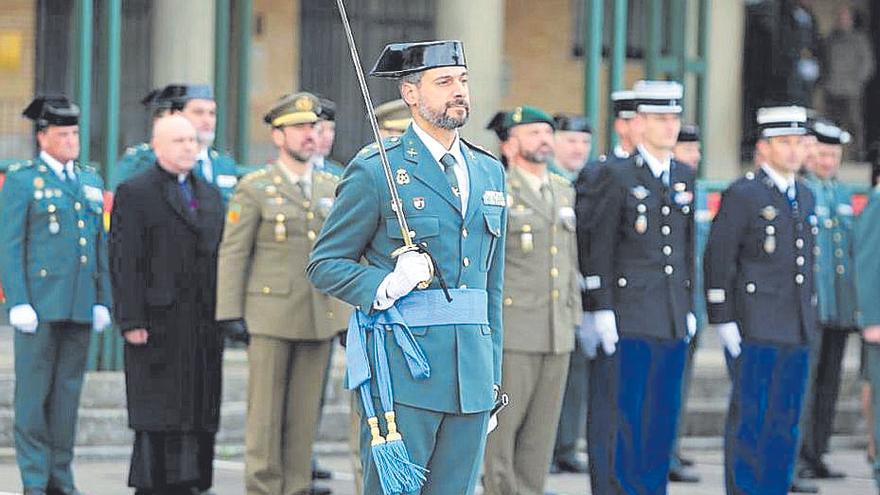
pixel 52 110
pixel 689 133
pixel 400 59
pixel 175 96
pixel 572 122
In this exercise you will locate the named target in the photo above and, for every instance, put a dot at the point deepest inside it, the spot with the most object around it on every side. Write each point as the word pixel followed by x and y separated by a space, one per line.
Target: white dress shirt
pixel 57 166
pixel 656 165
pixel 437 151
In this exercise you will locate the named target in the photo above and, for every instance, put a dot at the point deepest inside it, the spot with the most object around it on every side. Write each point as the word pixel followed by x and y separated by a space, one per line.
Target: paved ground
pixel 109 477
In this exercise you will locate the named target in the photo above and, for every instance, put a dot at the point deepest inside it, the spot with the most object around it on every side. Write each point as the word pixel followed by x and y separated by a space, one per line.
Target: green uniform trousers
pixel 519 450
pixel 284 393
pixel 49 368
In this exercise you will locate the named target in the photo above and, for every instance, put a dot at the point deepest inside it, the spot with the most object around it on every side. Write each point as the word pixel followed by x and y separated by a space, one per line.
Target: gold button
pixel 667 250
pixel 685 209
pixel 770 230
pixel 641 208
pixel 267 290
pixel 310 216
pixel 664 210
pixel 311 235
pixel 668 269
pixel 77 206
pixel 82 241
pixel 621 282
pixel 799 243
pixel 840 270
pixel 466 261
pixel 554 250
pixel 838 253
pixel 555 294
pixel 83 259
pixel 837 237
pixel 53 208
pixel 80 224
pixel 554 272
pixel 279 217
pixel 527 228
pixel 508 301
pixel 464 233
pixel 329 314
pixel 307 204
pixel 799 260
pixel 750 288
pixel 43 272
pixel 665 230
pixel 412 233
pixel 799 278
pixel 828 223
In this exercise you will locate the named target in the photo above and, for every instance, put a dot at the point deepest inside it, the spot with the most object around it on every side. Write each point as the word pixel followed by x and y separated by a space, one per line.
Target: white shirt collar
pixel 436 149
pixel 305 178
pixel 781 182
pixel 57 166
pixel 657 167
pixel 619 152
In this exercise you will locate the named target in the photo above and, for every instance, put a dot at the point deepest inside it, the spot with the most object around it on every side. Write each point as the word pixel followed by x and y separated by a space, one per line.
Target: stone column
pixel 480 26
pixel 183 42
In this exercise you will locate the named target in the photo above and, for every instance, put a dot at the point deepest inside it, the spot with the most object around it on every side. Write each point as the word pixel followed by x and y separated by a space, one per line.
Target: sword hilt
pixel 435 268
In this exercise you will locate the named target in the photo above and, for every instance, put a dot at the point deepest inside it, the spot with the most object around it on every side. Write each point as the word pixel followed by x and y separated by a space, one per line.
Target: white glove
pixel 24 318
pixel 691 326
pixel 587 336
pixel 411 268
pixel 100 317
pixel 730 337
pixel 606 327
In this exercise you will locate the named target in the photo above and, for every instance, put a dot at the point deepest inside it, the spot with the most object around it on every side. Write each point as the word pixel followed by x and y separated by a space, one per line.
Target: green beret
pixel 502 122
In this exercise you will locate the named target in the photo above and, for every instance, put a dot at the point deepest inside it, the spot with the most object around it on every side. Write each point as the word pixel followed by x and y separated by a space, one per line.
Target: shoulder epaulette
pixel 15 167
pixel 373 148
pixel 252 176
pixel 326 175
pixel 559 179
pixel 479 148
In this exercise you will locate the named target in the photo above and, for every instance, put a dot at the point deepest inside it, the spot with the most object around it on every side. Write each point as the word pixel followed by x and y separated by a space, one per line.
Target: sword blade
pixel 396 204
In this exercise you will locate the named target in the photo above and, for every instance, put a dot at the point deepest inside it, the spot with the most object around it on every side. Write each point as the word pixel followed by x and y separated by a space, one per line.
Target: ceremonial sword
pixel 396 204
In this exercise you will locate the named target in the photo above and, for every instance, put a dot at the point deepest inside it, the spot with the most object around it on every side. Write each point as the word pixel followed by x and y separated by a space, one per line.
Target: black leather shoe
pixel 801 486
pixel 681 475
pixel 571 466
pixel 820 471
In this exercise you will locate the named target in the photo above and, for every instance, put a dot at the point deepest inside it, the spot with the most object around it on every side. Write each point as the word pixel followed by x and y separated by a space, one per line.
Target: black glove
pixel 235 330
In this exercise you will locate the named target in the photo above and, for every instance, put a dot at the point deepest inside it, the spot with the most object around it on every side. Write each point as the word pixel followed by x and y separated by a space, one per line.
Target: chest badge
pixel 640 192
pixel 679 187
pixel 402 177
pixel 419 203
pixel 769 213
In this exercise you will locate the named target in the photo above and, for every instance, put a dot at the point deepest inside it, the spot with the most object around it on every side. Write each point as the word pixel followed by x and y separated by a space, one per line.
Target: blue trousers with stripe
pixel 762 423
pixel 602 422
pixel 649 401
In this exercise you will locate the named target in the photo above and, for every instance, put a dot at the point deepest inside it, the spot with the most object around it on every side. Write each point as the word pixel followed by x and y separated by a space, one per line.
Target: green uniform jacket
pixel 138 158
pixel 270 229
pixel 465 360
pixel 867 263
pixel 835 286
pixel 542 300
pixel 54 254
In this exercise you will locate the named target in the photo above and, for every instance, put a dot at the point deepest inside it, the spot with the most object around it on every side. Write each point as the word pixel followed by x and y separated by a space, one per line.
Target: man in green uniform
pixel 573 140
pixel 271 225
pixel 835 289
pixel 53 267
pixel 541 307
pixel 443 355
pixel 196 103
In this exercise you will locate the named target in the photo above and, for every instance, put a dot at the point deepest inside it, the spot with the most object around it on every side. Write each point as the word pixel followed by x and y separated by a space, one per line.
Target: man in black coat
pixel 165 231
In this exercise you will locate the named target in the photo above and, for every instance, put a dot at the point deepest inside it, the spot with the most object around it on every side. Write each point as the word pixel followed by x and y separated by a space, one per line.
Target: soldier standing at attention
pixel 760 296
pixel 196 103
pixel 639 286
pixel 443 356
pixel 835 288
pixel 271 224
pixel 602 367
pixel 54 270
pixel 541 307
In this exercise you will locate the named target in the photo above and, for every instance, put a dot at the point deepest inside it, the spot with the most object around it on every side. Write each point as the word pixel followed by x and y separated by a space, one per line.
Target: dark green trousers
pixel 49 368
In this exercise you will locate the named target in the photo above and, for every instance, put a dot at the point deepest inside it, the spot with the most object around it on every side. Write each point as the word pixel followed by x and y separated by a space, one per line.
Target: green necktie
pixel 448 161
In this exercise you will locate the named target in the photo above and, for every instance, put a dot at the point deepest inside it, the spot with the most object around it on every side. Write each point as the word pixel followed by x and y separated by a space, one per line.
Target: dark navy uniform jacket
pixel 759 262
pixel 640 255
